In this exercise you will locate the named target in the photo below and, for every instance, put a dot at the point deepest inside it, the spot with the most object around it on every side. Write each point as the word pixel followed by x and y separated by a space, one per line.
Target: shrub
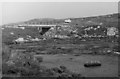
pixel 39 59
pixel 6 51
pixel 63 68
pixel 22 63
pixel 57 70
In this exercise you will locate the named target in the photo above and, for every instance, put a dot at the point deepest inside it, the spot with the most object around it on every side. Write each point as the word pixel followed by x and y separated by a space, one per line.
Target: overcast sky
pixel 21 11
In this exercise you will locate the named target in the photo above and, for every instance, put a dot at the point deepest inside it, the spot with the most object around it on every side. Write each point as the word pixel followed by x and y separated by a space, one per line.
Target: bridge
pixel 42 28
pixel 37 25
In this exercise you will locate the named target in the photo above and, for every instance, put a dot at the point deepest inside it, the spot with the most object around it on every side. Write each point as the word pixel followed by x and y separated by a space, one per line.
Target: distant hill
pixel 110 19
pixel 44 21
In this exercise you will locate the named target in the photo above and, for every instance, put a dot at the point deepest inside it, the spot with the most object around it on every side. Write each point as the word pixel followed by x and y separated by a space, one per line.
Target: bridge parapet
pixel 37 25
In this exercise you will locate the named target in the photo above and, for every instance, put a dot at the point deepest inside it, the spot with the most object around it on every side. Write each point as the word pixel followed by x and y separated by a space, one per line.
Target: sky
pixel 13 12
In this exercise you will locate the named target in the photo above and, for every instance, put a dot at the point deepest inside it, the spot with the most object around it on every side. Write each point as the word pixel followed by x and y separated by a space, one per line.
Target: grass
pixel 109 66
pixel 73 56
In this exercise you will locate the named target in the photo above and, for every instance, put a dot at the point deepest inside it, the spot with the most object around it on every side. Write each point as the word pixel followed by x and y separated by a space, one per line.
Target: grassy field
pixel 109 66
pixel 73 56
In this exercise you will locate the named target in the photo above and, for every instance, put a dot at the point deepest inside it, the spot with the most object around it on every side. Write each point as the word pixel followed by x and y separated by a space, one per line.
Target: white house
pixel 101 23
pixel 22 28
pixel 117 53
pixel 20 40
pixel 111 31
pixel 67 21
pixel 3 28
pixel 11 33
pixel 98 26
pixel 36 39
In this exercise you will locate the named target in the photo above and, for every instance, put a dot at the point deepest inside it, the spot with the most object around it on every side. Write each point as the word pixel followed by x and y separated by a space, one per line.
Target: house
pixel 11 33
pixel 22 28
pixel 112 31
pixel 3 28
pixel 20 40
pixel 36 39
pixel 101 23
pixel 67 21
pixel 117 53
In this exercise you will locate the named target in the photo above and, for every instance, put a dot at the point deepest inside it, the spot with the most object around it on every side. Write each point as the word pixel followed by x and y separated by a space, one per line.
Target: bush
pixel 26 64
pixel 29 72
pixel 39 59
pixel 6 51
pixel 63 68
pixel 22 63
pixel 57 70
pixel 50 72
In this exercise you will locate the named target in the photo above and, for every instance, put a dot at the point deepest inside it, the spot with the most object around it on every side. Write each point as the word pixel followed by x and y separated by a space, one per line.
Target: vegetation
pixel 19 64
pixel 21 59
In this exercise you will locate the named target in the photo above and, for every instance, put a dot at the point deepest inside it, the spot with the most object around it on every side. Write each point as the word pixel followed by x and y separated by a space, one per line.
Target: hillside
pixel 96 19
pixel 95 26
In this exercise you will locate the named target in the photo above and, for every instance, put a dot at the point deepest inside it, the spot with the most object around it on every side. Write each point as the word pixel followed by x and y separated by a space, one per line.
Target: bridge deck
pixel 37 25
